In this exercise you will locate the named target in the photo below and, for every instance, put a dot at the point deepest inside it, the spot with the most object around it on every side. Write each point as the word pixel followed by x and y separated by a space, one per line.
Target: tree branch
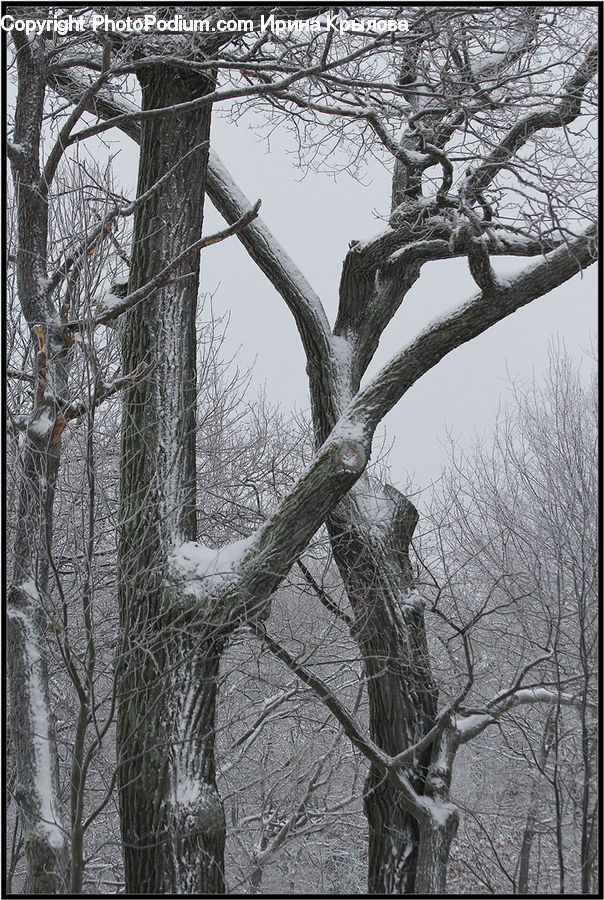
pixel 232 204
pixel 273 260
pixel 567 110
pixel 98 231
pixel 163 277
pixel 469 726
pixel 467 322
pixel 382 761
pixel 324 597
pixel 253 90
pixel 64 137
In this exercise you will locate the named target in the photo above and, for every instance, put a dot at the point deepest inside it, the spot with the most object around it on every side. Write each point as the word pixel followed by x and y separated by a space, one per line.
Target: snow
pixel 440 811
pixel 537 695
pixel 29 588
pixel 187 789
pixel 341 362
pixel 195 562
pixel 42 426
pixel 40 726
pixel 378 510
pixel 466 725
pixel 501 52
pixel 346 429
pixel 413 600
pixel 42 284
pixel 490 62
pixel 341 352
pixel 109 301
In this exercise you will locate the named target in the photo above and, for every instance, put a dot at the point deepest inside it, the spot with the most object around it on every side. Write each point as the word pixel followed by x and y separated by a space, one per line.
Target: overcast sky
pixel 315 218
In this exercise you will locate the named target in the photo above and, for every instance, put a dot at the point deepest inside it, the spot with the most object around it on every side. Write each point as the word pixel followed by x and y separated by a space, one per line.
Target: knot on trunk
pixel 352 456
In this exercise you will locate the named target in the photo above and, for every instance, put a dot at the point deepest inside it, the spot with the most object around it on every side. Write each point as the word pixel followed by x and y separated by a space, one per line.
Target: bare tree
pixel 450 80
pixel 515 528
pixel 472 113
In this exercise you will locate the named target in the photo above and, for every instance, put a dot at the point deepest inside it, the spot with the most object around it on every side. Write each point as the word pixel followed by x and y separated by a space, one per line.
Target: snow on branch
pixel 466 322
pixel 469 726
pixel 102 392
pixel 39 795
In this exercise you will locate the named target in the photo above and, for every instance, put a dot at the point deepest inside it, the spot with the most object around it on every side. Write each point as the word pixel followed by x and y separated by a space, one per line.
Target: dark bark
pixel 171 816
pixel 435 842
pixel 373 559
pixel 528 833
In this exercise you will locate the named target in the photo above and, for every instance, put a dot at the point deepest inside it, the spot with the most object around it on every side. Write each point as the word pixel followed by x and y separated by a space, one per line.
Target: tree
pixel 515 530
pixel 32 729
pixel 179 608
pixel 451 89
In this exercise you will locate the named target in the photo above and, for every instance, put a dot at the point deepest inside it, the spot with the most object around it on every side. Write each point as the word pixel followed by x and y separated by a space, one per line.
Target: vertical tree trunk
pixel 171 816
pixel 370 534
pixel 32 726
pixel 528 833
pixel 36 760
pixel 436 837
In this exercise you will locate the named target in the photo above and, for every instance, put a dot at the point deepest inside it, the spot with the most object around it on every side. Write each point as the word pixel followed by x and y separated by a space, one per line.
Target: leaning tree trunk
pixel 171 816
pixel 370 533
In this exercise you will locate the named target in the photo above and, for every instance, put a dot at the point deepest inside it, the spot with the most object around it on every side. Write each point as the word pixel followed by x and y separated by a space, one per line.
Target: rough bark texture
pixel 171 816
pixel 438 828
pixel 532 813
pixel 372 527
pixel 372 554
pixel 37 789
pixel 434 848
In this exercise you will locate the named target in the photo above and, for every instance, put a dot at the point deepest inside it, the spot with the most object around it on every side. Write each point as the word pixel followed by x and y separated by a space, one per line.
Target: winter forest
pixel 246 651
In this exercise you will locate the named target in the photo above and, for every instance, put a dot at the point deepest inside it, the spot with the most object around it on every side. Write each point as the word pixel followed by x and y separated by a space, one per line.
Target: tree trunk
pixel 32 727
pixel 171 816
pixel 370 533
pixel 36 760
pixel 528 833
pixel 436 837
pixel 172 819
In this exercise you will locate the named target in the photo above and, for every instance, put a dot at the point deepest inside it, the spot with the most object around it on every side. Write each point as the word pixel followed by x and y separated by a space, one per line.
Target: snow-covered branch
pixel 468 321
pixel 102 392
pixel 274 261
pixel 469 726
